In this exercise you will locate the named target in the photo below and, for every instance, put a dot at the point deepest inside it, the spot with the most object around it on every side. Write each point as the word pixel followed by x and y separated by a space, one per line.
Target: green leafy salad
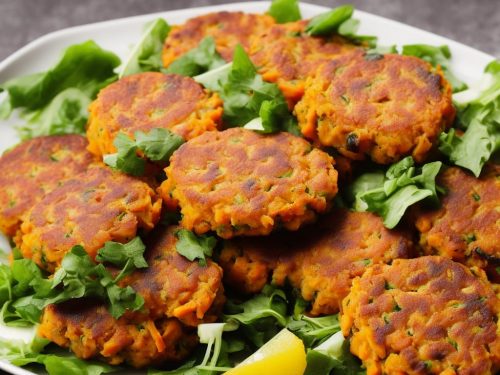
pixel 55 102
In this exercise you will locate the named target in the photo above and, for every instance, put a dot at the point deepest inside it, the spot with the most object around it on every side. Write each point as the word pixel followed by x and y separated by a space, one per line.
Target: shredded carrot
pixel 160 344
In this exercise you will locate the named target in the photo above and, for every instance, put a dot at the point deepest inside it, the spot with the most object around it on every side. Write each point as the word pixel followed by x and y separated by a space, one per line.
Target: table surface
pixel 472 22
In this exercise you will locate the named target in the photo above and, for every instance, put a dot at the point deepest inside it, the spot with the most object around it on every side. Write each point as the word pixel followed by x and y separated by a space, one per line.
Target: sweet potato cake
pixel 428 315
pixel 239 182
pixel 88 330
pixel 227 28
pixel 286 55
pixel 95 206
pixel 466 227
pixel 144 101
pixel 320 261
pixel 173 286
pixel 178 295
pixel 382 106
pixel 32 169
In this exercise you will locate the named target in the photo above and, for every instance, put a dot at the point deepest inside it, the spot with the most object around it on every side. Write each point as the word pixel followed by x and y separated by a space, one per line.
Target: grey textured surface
pixel 473 22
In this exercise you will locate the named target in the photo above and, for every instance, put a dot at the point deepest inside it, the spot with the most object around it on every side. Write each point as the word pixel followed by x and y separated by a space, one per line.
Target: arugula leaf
pixel 129 256
pixel 215 79
pixel 479 116
pixel 198 60
pixel 314 331
pixel 471 150
pixel 247 97
pixel 272 302
pixel 365 182
pixel 80 277
pixel 436 56
pixel 84 66
pixel 25 288
pixel 333 354
pixel 402 186
pixel 126 159
pixel 56 101
pixel 122 299
pixel 26 291
pixel 146 54
pixel 194 247
pixel 349 29
pixel 65 114
pixel 5 283
pixel 339 21
pixel 284 11
pixel 157 145
pixel 21 354
pixel 260 317
pixel 120 254
pixel 329 22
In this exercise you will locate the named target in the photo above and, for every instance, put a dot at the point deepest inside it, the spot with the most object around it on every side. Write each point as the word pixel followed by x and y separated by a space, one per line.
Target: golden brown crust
pixel 320 261
pixel 144 101
pixel 239 182
pixel 466 228
pixel 173 286
pixel 95 206
pixel 285 55
pixel 384 107
pixel 427 315
pixel 178 295
pixel 89 331
pixel 32 169
pixel 227 28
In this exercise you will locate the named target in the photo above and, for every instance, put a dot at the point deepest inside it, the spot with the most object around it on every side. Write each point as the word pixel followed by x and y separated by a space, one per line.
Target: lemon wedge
pixel 284 354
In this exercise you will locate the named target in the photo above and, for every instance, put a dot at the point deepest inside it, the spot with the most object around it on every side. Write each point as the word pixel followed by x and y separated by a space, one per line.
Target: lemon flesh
pixel 284 354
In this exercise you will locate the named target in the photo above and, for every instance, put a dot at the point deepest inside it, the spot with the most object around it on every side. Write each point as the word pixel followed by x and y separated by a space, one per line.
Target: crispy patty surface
pixel 320 261
pixel 286 55
pixel 173 286
pixel 144 101
pixel 385 107
pixel 239 182
pixel 34 168
pixel 178 295
pixel 93 207
pixel 89 331
pixel 466 227
pixel 428 315
pixel 227 28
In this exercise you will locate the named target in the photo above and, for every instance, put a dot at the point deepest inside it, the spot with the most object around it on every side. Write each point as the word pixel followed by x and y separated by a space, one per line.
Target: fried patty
pixel 144 101
pixel 178 295
pixel 466 228
pixel 286 55
pixel 89 331
pixel 173 286
pixel 34 168
pixel 227 28
pixel 94 207
pixel 239 182
pixel 385 107
pixel 428 315
pixel 320 262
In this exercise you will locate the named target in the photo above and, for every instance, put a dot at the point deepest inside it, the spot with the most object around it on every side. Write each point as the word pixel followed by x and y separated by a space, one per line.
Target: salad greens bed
pixel 56 101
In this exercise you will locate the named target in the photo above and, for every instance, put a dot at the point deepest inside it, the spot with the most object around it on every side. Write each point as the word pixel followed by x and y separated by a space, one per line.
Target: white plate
pixel 119 35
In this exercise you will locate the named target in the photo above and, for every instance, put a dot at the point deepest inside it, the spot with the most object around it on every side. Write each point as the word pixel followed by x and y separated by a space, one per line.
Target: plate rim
pixel 49 37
